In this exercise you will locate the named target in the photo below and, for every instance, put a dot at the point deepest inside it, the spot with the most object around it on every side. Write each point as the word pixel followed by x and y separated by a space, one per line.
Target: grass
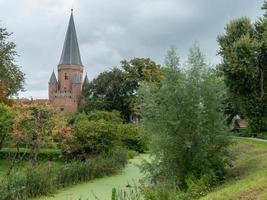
pixel 43 150
pixel 3 167
pixel 247 179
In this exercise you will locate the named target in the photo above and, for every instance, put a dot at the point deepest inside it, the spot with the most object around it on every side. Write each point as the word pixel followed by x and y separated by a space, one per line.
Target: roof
pixel 77 78
pixel 53 78
pixel 71 53
pixel 86 80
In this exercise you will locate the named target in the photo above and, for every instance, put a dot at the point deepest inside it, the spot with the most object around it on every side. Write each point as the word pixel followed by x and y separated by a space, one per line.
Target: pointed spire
pixel 86 80
pixel 53 78
pixel 71 53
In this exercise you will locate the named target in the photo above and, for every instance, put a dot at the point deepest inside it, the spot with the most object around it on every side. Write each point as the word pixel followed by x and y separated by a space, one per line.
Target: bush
pixel 45 179
pixel 92 135
pixel 98 133
pixel 7 118
pixel 131 138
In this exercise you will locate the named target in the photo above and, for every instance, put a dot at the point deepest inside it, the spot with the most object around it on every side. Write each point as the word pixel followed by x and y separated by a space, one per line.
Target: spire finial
pixel 71 10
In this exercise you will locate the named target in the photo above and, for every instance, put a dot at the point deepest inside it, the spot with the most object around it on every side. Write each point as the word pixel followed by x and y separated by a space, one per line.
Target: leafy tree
pixel 184 119
pixel 243 48
pixel 33 128
pixel 116 89
pixel 11 77
pixel 107 92
pixel 172 59
pixel 7 118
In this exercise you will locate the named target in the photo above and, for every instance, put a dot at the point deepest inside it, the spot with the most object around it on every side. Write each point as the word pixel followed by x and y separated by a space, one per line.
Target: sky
pixel 109 31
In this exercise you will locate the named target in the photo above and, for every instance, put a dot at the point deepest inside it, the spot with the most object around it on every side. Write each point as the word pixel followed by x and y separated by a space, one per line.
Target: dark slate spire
pixel 71 53
pixel 86 80
pixel 53 78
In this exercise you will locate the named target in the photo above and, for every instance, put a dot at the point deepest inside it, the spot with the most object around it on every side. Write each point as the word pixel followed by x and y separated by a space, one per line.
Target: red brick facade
pixel 65 94
pixel 65 90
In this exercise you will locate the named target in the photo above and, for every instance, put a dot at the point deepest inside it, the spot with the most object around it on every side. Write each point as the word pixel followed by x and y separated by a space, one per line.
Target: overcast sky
pixel 112 30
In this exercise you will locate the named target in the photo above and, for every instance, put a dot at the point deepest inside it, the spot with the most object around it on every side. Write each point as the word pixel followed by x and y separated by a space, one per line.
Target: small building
pixel 64 90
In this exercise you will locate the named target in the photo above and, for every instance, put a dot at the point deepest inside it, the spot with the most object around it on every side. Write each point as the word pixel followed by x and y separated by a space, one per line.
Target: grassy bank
pixel 247 179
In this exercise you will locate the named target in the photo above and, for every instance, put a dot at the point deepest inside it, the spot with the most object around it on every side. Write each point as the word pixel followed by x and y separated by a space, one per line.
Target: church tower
pixel 65 92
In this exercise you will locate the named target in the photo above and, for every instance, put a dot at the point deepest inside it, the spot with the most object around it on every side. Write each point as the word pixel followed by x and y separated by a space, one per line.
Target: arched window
pixel 66 76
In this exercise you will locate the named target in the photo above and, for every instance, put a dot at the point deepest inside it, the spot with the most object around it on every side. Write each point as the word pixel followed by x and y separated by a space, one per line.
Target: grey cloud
pixel 111 30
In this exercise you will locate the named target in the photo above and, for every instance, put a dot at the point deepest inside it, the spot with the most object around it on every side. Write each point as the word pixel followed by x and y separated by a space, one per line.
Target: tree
pixel 184 120
pixel 11 77
pixel 7 118
pixel 172 59
pixel 33 128
pixel 107 92
pixel 243 48
pixel 116 89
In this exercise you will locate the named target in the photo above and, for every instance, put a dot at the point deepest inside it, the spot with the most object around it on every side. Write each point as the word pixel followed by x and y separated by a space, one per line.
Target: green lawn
pixel 247 179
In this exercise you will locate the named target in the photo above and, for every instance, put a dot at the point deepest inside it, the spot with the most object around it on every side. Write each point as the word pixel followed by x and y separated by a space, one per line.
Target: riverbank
pixel 102 187
pixel 247 179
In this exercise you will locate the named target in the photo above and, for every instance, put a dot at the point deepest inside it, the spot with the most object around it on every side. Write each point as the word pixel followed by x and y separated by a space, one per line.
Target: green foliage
pixel 107 92
pixel 116 89
pixel 243 48
pixel 132 193
pixel 33 128
pixel 93 135
pixel 45 179
pixel 100 132
pixel 159 192
pixel 7 118
pixel 172 60
pixel 112 117
pixel 141 69
pixel 183 116
pixel 131 154
pixel 11 78
pixel 132 138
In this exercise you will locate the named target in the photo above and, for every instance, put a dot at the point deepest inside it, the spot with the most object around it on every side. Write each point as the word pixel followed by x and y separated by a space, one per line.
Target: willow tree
pixel 183 116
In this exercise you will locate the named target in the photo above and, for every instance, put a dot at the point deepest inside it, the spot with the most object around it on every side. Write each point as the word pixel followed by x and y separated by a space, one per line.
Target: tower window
pixel 66 76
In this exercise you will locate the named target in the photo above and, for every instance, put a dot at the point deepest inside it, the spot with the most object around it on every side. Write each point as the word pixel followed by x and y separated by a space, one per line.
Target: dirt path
pixel 102 187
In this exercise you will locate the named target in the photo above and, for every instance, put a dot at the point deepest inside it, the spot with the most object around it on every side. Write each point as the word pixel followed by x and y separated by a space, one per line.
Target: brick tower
pixel 64 92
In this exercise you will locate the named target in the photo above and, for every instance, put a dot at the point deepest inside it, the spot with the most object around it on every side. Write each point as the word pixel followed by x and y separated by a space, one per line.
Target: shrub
pixel 98 133
pixel 7 118
pixel 132 138
pixel 92 135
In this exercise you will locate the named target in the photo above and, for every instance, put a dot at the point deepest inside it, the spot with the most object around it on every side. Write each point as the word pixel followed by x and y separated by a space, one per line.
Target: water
pixel 102 187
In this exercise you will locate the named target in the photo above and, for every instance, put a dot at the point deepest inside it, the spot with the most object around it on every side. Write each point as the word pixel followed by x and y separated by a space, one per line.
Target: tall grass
pixel 45 179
